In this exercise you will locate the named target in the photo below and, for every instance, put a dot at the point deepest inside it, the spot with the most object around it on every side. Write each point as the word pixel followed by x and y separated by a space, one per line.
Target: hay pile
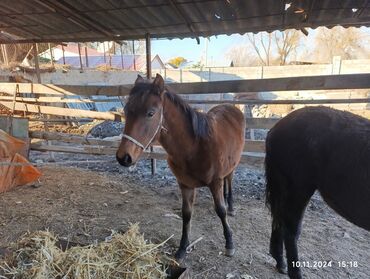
pixel 129 255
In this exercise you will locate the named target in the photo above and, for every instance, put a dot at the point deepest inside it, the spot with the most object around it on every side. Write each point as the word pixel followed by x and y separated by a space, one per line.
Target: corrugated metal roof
pixel 79 20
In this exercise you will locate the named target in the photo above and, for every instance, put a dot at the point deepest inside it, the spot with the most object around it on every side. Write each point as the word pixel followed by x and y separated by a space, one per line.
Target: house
pixel 126 61
pixel 70 50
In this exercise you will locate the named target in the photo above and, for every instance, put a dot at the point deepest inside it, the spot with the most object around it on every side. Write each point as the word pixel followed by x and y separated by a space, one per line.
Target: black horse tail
pixel 276 184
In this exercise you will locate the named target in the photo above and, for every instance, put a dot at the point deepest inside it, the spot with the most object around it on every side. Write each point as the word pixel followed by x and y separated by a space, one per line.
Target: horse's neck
pixel 176 138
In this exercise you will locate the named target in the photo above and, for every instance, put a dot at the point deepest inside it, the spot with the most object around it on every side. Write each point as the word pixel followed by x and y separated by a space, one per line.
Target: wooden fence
pixel 42 94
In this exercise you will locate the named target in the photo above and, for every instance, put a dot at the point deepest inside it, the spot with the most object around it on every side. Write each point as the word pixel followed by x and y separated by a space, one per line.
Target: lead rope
pixel 159 127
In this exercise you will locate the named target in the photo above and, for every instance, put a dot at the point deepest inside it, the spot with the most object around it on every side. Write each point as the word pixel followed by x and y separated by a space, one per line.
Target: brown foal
pixel 203 149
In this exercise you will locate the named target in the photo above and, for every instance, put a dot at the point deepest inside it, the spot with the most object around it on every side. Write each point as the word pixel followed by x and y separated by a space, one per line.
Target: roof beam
pixel 77 17
pixel 184 17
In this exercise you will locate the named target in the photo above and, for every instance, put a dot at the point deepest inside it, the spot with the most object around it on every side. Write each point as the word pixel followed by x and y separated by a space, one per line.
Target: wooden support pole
pixel 133 52
pixel 105 57
pixel 37 65
pixel 121 50
pixel 86 57
pixel 51 55
pixel 79 55
pixel 64 57
pixel 149 75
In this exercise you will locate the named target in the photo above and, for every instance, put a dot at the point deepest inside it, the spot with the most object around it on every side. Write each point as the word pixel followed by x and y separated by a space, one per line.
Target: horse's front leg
pixel 188 197
pixel 220 208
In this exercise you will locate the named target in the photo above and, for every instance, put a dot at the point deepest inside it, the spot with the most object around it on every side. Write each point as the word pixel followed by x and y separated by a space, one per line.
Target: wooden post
pixel 64 57
pixel 105 57
pixel 86 57
pixel 51 55
pixel 79 55
pixel 36 58
pixel 37 67
pixel 133 52
pixel 122 65
pixel 149 75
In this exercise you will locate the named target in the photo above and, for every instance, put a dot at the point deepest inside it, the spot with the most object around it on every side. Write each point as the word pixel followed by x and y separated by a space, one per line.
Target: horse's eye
pixel 150 113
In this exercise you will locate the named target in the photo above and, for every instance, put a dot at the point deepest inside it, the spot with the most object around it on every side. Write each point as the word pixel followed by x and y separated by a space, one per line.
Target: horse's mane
pixel 199 121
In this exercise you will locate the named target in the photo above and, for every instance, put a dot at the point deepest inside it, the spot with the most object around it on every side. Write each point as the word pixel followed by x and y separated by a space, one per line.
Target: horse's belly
pixel 350 201
pixel 183 177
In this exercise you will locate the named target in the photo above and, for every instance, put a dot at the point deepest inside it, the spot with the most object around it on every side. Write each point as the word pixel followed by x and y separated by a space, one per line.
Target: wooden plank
pixel 249 146
pixel 325 82
pixel 64 137
pixel 63 111
pixel 255 160
pixel 60 120
pixel 92 150
pixel 261 123
pixel 328 82
pixel 57 100
pixel 52 89
pixel 254 146
pixel 283 102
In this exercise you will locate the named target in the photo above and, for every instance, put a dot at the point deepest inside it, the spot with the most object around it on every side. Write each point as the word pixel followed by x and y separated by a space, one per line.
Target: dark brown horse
pixel 311 149
pixel 203 149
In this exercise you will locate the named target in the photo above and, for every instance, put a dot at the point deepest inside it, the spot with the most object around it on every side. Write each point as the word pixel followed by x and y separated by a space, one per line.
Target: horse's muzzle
pixel 125 161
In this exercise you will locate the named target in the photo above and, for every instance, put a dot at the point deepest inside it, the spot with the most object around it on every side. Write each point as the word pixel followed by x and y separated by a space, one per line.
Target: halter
pixel 159 127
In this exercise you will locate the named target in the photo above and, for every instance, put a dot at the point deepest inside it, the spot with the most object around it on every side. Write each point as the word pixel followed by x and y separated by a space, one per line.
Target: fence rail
pixel 253 152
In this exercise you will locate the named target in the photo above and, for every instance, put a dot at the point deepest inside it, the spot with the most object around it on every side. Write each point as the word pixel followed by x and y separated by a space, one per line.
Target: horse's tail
pixel 276 185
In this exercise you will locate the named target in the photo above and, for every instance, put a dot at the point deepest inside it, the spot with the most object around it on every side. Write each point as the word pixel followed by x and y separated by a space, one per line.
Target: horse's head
pixel 144 116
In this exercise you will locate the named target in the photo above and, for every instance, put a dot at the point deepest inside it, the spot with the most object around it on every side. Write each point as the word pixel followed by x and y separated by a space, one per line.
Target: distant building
pixel 126 62
pixel 70 50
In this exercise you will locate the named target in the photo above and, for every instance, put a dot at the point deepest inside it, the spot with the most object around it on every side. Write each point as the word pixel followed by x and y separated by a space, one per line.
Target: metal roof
pixel 94 20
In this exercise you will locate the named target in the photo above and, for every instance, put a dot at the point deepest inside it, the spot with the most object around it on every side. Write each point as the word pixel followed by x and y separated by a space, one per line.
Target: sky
pixel 189 49
pixel 218 46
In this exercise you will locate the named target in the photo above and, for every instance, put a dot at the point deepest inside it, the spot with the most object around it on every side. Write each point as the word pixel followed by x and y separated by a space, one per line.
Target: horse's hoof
pixel 180 255
pixel 296 275
pixel 231 213
pixel 282 269
pixel 230 252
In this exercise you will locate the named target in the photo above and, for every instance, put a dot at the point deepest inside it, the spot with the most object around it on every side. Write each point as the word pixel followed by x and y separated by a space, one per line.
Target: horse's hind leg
pixel 220 208
pixel 230 199
pixel 293 211
pixel 188 197
pixel 277 247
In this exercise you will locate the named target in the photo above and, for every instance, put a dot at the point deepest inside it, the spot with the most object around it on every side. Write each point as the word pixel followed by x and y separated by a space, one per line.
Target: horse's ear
pixel 139 79
pixel 159 82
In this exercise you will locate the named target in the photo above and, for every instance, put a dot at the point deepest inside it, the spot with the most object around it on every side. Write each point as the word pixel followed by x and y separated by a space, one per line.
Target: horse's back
pixel 228 136
pixel 330 150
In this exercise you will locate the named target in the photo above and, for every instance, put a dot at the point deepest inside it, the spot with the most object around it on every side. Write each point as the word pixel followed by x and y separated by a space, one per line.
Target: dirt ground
pixel 84 205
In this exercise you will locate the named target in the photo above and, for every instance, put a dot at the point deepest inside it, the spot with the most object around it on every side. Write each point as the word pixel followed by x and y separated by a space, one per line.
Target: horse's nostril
pixel 125 161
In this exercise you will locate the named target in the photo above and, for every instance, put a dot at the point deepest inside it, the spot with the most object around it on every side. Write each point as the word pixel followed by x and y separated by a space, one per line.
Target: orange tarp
pixel 15 170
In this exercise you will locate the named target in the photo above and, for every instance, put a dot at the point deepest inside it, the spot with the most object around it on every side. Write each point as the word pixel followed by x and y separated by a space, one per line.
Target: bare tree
pixel 349 43
pixel 266 48
pixel 261 43
pixel 287 43
pixel 241 56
